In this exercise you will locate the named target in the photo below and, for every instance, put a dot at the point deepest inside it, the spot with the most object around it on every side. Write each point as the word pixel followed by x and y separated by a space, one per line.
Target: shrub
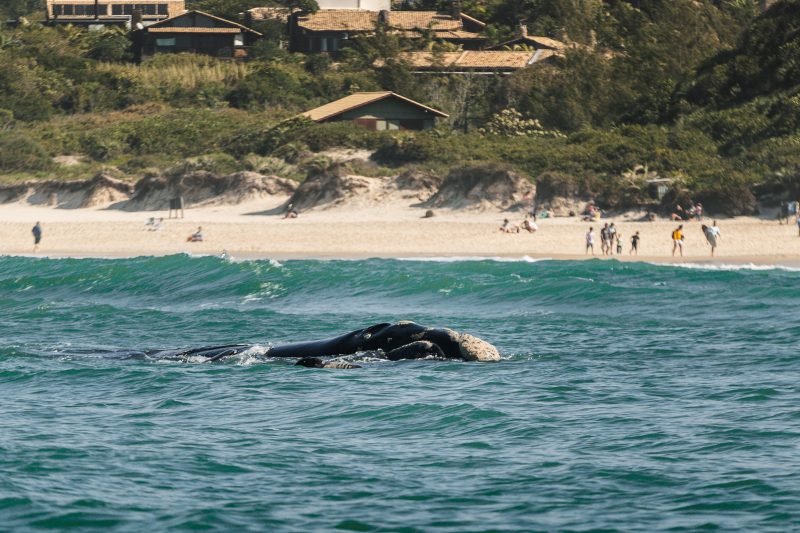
pixel 19 153
pixel 510 123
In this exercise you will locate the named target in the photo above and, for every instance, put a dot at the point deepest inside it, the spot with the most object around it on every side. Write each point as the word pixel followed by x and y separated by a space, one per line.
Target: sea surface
pixel 631 397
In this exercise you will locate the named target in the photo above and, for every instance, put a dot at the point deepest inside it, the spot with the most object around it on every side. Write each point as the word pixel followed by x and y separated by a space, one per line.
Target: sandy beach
pixel 244 231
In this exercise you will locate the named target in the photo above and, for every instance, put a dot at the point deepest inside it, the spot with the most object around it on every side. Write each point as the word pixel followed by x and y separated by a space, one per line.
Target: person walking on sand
pixel 619 243
pixel 37 235
pixel 590 241
pixel 603 239
pixel 677 240
pixel 635 244
pixel 712 234
pixel 798 223
pixel 612 234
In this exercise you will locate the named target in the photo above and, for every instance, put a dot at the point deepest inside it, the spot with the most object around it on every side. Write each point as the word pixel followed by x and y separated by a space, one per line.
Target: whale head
pixel 474 349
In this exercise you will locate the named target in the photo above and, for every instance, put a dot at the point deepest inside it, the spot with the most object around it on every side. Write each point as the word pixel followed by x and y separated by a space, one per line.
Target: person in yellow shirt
pixel 677 240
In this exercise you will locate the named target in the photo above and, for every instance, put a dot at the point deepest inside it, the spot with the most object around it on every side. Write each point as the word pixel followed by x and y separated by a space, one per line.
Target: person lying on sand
pixel 529 226
pixel 197 236
pixel 508 227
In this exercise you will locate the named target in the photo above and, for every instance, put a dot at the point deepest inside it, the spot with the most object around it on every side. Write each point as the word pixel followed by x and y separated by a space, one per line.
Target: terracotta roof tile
pixel 363 20
pixel 499 60
pixel 194 30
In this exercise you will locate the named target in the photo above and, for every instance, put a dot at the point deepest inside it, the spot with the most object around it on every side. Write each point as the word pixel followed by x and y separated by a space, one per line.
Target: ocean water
pixel 631 397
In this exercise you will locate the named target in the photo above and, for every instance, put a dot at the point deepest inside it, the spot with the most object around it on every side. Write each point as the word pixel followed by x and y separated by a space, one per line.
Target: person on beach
pixel 798 223
pixel 508 227
pixel 619 243
pixel 590 241
pixel 635 244
pixel 529 226
pixel 677 240
pixel 698 211
pixel 712 234
pixel 37 235
pixel 291 212
pixel 604 239
pixel 612 234
pixel 197 236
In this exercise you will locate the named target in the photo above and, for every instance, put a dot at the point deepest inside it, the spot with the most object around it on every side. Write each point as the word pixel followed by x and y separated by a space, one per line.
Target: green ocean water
pixel 631 397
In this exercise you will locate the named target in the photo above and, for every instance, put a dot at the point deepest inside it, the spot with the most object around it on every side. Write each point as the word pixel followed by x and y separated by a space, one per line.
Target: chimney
pixel 455 9
pixel 522 29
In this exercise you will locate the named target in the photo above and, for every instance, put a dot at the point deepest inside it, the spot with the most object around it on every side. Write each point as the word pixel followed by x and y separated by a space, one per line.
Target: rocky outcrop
pixel 483 187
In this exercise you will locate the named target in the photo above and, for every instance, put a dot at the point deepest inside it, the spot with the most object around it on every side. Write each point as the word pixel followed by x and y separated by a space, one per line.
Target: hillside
pixel 692 90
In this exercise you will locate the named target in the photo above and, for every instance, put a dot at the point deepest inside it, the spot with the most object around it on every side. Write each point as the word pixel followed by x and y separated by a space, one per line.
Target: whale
pixel 393 341
pixel 399 340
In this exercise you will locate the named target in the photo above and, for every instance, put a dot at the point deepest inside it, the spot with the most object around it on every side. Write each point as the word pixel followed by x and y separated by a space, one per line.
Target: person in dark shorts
pixel 635 244
pixel 37 235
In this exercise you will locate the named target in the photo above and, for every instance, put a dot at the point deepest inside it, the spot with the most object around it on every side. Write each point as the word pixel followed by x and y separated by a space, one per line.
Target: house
pixel 378 111
pixel 474 61
pixel 111 12
pixel 327 29
pixel 198 32
pixel 532 42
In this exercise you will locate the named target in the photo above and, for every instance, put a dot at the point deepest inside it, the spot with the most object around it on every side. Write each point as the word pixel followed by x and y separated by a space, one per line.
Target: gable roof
pixel 164 26
pixel 356 100
pixel 364 20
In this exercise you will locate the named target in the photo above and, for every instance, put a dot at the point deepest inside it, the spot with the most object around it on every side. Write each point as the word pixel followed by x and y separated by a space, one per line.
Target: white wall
pixel 370 5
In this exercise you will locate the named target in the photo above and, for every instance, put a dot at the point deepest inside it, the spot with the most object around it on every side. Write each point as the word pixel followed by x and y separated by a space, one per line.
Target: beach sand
pixel 392 230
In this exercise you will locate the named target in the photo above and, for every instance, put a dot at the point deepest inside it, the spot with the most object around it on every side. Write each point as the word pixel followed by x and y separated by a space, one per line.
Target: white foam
pixel 728 267
pixel 461 259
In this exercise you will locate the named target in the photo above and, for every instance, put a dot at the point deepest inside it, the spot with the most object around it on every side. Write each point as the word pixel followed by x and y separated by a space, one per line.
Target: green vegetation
pixel 704 92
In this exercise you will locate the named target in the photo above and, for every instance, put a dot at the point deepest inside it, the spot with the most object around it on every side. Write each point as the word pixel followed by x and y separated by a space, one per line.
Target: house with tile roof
pixel 327 29
pixel 379 111
pixel 197 32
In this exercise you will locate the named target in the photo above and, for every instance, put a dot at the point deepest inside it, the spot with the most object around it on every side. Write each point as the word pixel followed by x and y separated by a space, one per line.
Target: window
pixel 116 9
pixel 165 43
pixel 148 9
pixel 68 10
pixel 58 9
pixel 162 9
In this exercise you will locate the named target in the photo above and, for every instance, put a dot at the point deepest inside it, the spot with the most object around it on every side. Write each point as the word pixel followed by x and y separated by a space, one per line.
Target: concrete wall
pixel 370 5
